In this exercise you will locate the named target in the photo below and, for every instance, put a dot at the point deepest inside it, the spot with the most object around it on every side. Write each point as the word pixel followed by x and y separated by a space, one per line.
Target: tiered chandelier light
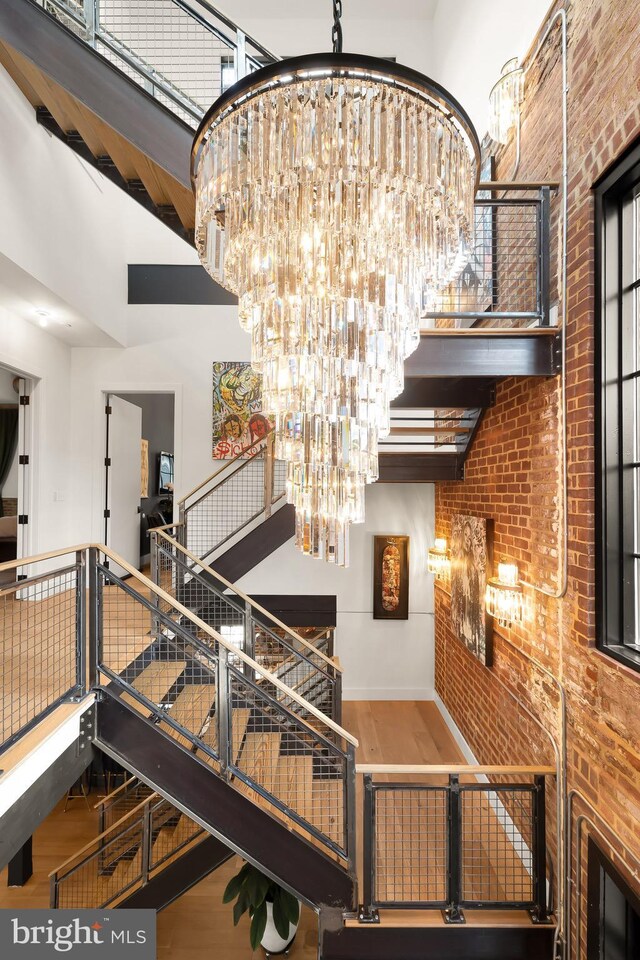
pixel 333 193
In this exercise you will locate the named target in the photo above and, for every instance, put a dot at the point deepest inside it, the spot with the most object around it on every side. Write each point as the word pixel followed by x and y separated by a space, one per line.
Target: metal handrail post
pixel 91 19
pixel 544 246
pixel 453 913
pixel 95 618
pixel 81 623
pixel 336 705
pixel 147 835
pixel 240 55
pixel 223 711
pixel 268 475
pixel 350 808
pixel 155 576
pixel 367 913
pixel 249 639
pixel 53 891
pixel 182 526
pixel 539 912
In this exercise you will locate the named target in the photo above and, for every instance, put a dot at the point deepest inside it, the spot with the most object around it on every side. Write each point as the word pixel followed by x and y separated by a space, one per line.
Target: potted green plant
pixel 274 912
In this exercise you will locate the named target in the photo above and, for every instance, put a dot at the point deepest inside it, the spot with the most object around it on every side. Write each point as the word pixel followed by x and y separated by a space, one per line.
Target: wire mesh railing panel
pixel 496 854
pixel 163 671
pixel 40 647
pixel 303 773
pixel 277 650
pixel 70 13
pixel 169 831
pixel 227 508
pixel 410 854
pixel 122 802
pixel 103 874
pixel 178 578
pixel 279 479
pixel 501 282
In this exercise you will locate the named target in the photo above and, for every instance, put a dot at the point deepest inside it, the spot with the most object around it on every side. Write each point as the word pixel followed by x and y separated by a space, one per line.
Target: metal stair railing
pixel 239 493
pixel 125 856
pixel 121 801
pixel 196 687
pixel 42 638
pixel 185 53
pixel 302 665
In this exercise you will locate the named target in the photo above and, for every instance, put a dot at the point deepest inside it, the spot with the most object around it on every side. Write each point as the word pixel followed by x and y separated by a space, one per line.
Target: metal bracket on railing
pixel 368 914
pixel 87 733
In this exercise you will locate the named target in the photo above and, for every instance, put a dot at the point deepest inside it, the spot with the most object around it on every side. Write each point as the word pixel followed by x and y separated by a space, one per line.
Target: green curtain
pixel 8 443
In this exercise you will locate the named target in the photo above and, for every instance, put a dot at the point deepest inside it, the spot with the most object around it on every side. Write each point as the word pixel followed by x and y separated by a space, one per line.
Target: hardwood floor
pixel 389 731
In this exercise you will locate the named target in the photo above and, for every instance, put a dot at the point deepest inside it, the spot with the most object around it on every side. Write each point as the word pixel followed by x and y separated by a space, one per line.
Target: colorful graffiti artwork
pixel 238 421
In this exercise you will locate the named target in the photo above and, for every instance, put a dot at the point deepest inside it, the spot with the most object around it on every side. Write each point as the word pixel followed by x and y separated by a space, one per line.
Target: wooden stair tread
pixel 259 758
pixel 158 675
pixel 192 706
pixel 295 783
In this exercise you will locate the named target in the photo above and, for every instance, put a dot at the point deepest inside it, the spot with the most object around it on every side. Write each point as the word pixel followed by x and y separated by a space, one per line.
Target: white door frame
pixel 123 388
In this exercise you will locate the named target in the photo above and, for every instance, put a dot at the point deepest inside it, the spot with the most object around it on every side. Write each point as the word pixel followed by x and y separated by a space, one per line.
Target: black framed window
pixel 618 410
pixel 613 911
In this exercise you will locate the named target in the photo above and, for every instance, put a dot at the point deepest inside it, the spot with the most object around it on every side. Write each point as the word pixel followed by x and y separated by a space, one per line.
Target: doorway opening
pixel 139 471
pixel 15 464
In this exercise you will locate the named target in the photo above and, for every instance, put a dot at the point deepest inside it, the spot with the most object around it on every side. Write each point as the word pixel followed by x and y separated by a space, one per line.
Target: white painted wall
pixel 473 39
pixel 68 227
pixel 40 356
pixel 382 659
pixel 8 395
pixel 173 349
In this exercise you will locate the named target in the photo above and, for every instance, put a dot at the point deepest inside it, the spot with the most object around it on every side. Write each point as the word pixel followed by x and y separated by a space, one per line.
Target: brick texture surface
pixel 513 473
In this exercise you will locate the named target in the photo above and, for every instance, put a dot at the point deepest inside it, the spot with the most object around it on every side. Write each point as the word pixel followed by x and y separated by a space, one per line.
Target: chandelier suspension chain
pixel 336 33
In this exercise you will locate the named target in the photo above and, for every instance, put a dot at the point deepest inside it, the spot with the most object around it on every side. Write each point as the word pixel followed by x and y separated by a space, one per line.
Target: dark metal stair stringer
pixel 227 814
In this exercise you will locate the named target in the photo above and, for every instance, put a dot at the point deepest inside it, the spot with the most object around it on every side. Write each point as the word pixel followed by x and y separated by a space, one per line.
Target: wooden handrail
pixel 105 833
pixel 25 561
pixel 243 596
pixel 479 332
pixel 114 793
pixel 166 526
pixel 253 664
pixel 462 769
pixel 225 465
pixel 526 185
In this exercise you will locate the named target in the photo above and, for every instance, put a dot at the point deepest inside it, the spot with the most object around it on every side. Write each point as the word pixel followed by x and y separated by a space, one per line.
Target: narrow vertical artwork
pixel 471 559
pixel 390 578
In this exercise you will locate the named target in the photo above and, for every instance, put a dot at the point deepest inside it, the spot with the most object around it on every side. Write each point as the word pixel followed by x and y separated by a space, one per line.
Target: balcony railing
pixel 185 53
pixel 442 838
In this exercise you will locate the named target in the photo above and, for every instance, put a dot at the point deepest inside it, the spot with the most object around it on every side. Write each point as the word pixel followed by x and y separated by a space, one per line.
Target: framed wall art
pixel 390 578
pixel 471 562
pixel 238 420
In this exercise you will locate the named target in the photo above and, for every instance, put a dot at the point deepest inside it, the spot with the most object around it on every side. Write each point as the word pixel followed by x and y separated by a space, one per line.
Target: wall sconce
pixel 504 598
pixel 438 561
pixel 504 101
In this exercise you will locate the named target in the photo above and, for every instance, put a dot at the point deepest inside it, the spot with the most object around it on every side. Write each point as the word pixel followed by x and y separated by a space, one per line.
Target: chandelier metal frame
pixel 349 65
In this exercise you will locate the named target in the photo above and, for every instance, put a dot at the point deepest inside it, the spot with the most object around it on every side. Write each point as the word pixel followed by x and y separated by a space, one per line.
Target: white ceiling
pixel 239 10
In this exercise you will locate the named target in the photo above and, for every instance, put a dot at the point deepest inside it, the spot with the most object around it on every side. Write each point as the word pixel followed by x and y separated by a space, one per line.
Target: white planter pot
pixel 272 942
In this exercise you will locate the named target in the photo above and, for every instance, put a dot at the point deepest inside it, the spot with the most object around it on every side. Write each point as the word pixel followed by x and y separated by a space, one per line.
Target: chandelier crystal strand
pixel 331 201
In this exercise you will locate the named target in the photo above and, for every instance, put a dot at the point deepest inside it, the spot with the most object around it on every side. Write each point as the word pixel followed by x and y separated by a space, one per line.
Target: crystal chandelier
pixel 333 193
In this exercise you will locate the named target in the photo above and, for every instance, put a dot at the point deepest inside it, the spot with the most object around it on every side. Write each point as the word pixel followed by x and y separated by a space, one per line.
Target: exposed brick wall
pixel 513 472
